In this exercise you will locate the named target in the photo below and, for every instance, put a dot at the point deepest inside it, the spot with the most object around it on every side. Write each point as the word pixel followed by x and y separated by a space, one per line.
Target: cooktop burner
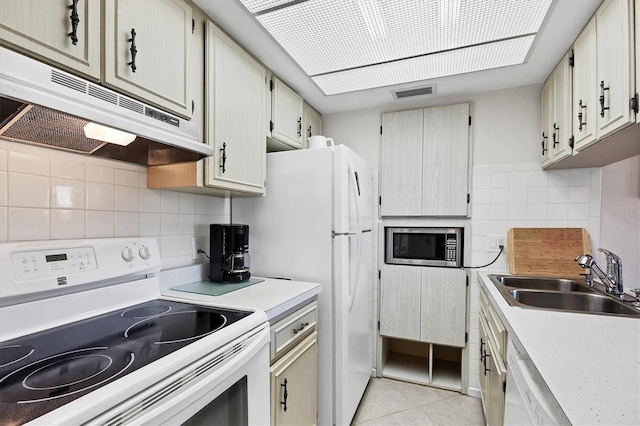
pixel 45 370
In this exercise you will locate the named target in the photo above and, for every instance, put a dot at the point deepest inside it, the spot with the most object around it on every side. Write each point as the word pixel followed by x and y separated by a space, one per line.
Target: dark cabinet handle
pixel 485 363
pixel 309 132
pixel 75 20
pixel 580 122
pixel 224 156
pixel 602 107
pixel 544 138
pixel 556 138
pixel 300 126
pixel 300 328
pixel 481 350
pixel 285 395
pixel 133 49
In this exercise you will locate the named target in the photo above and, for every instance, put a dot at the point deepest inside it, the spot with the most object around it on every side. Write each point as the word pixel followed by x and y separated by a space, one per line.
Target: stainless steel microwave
pixel 424 246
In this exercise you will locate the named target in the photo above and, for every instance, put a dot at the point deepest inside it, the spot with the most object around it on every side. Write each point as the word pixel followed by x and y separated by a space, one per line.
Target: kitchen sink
pixel 559 294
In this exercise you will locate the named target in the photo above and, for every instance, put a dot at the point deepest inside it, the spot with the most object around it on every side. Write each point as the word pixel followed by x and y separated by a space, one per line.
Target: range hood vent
pixel 416 91
pixel 44 106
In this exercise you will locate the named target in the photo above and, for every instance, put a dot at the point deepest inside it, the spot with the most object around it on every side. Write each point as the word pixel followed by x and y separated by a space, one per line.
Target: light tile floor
pixel 392 402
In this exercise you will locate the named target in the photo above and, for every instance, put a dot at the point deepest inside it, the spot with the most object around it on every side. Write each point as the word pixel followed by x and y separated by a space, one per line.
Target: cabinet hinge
pixel 270 126
pixel 572 60
pixel 633 104
pixel 378 325
pixel 469 120
pixel 379 274
pixel 271 85
pixel 193 26
pixel 380 200
pixel 504 387
pixel 466 337
pixel 193 106
pixel 467 280
pixel 468 198
pixel 571 142
pixel 380 129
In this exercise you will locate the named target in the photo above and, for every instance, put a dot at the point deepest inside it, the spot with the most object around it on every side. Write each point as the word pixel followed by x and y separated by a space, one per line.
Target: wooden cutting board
pixel 547 252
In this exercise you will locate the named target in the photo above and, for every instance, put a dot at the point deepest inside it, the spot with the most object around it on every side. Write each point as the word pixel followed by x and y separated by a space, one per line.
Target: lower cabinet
pixel 294 368
pixel 492 362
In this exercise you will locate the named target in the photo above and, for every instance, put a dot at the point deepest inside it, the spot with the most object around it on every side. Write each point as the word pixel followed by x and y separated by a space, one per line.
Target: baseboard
pixel 474 392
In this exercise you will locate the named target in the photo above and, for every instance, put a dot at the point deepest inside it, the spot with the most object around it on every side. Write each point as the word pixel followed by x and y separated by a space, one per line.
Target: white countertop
pixel 273 296
pixel 590 363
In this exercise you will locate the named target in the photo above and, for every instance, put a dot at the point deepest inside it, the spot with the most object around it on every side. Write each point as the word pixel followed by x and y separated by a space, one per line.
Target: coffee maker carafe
pixel 229 248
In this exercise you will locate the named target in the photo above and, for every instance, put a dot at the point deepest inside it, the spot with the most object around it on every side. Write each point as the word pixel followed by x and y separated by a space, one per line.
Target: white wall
pixel 51 195
pixel 508 187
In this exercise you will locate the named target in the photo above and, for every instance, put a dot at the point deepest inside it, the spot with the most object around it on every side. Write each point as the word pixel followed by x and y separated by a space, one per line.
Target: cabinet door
pixel 637 43
pixel 445 156
pixel 43 27
pixel 236 109
pixel 585 103
pixel 286 114
pixel 443 302
pixel 163 31
pixel 294 385
pixel 546 105
pixel 495 378
pixel 401 163
pixel 400 302
pixel 312 123
pixel 614 23
pixel 561 123
pixel 482 373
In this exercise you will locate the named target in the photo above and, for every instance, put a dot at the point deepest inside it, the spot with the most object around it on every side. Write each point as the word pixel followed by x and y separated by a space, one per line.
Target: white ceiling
pixel 561 26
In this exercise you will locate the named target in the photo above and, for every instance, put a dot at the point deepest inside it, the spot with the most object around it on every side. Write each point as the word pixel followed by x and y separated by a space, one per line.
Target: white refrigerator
pixel 315 224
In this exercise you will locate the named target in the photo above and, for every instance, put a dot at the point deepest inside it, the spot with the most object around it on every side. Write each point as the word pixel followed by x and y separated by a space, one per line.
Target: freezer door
pixel 353 192
pixel 353 328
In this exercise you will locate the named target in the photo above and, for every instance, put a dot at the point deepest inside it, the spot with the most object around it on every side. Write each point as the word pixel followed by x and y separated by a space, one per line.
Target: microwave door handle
pixel 354 183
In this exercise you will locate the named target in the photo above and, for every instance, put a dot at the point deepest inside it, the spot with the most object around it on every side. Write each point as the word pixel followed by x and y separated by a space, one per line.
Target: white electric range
pixel 86 338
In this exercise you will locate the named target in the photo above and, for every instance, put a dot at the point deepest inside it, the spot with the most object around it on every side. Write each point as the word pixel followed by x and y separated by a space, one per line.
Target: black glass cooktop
pixel 43 371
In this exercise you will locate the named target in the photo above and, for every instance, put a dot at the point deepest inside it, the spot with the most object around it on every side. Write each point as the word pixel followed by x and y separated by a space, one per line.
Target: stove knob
pixel 144 252
pixel 127 254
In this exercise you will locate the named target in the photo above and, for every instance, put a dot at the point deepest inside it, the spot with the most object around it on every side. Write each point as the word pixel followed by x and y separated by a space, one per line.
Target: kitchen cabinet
pixel 555 101
pixel 294 368
pixel 425 162
pixel 311 123
pixel 492 362
pixel 147 51
pixel 236 105
pixel 45 30
pixel 286 117
pixel 584 87
pixel 423 324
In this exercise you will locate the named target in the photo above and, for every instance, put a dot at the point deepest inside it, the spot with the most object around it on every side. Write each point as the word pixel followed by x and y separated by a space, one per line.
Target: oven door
pixel 230 386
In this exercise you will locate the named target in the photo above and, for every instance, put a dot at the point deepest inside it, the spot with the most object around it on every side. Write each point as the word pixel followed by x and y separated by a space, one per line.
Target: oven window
pixel 230 408
pixel 419 246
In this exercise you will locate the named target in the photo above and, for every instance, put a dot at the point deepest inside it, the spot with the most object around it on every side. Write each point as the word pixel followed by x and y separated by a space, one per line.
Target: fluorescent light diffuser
pixel 107 134
pixel 328 37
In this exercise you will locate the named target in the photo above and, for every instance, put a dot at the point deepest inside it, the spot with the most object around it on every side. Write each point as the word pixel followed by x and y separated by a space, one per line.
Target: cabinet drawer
pixel 290 330
pixel 496 330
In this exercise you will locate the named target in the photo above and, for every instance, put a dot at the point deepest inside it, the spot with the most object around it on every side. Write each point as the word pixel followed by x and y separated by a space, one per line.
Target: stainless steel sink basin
pixel 559 294
pixel 535 283
pixel 576 302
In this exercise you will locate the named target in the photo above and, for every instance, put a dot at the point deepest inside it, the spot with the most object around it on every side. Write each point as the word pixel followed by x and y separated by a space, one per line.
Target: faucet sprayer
pixel 612 279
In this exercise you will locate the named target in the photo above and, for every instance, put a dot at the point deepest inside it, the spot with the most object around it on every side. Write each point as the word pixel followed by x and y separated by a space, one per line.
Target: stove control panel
pixel 48 266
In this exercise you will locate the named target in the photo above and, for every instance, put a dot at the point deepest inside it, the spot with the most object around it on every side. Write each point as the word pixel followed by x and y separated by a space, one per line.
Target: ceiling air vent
pixel 416 91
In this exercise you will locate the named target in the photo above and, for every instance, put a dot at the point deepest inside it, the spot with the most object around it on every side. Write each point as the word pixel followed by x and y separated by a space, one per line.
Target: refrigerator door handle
pixel 356 192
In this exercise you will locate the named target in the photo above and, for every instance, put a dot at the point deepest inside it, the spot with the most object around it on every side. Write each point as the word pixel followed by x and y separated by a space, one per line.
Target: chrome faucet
pixel 612 279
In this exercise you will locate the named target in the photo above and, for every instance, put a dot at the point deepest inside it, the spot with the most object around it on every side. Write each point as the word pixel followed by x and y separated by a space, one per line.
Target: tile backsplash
pixel 521 195
pixel 47 194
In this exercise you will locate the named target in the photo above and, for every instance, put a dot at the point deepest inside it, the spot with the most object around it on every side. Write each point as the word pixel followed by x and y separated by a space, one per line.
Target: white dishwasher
pixel 525 403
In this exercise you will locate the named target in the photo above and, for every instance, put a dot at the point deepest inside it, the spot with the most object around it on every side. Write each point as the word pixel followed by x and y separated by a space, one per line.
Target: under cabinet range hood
pixel 41 105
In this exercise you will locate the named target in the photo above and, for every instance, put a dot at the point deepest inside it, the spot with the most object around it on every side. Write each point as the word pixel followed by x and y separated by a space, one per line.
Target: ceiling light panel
pixel 325 36
pixel 459 61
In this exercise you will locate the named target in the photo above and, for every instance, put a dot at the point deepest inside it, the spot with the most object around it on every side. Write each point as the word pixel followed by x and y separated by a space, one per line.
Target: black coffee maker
pixel 229 248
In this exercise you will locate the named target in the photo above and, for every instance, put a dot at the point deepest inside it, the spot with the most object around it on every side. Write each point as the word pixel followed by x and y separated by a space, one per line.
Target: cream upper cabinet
pixel 286 114
pixel 615 65
pixel 65 33
pixel 546 103
pixel 311 123
pixel 425 162
pixel 236 96
pixel 637 28
pixel 147 51
pixel 585 95
pixel 424 304
pixel 562 137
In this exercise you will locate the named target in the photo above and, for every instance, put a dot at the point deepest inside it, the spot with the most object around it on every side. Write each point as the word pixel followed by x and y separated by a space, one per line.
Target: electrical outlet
pixel 197 243
pixel 494 241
